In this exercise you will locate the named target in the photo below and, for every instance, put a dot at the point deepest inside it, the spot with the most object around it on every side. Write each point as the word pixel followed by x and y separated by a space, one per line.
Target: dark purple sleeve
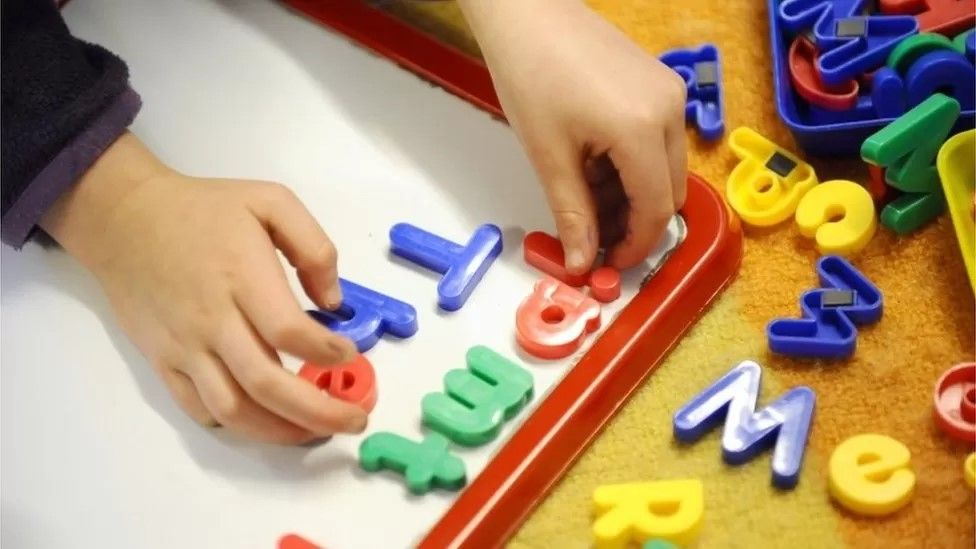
pixel 64 102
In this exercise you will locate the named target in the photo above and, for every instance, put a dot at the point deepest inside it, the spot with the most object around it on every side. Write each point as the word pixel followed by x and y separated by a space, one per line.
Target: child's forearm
pixel 480 13
pixel 64 102
pixel 489 19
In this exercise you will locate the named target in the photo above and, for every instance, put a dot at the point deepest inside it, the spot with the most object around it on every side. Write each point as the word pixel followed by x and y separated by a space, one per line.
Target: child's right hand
pixel 602 121
pixel 191 269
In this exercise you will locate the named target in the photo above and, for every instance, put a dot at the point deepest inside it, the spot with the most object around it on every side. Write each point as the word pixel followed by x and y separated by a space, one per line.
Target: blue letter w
pixel 733 398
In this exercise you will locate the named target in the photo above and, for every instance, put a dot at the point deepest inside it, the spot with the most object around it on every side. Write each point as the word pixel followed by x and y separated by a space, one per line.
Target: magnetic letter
pixel 479 399
pixel 871 475
pixel 552 322
pixel 425 465
pixel 365 315
pixel 839 215
pixel 669 509
pixel 733 398
pixel 462 266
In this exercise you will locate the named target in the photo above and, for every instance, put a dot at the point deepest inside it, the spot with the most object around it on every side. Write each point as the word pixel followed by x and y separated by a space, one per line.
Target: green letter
pixel 425 465
pixel 478 399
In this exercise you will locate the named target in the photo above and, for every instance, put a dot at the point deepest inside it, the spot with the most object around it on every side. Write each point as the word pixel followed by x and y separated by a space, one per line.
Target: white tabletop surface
pixel 94 452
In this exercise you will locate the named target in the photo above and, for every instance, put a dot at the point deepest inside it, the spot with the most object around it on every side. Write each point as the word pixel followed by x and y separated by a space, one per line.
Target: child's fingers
pixel 324 295
pixel 676 140
pixel 236 411
pixel 267 302
pixel 260 374
pixel 644 170
pixel 611 200
pixel 568 194
pixel 301 239
pixel 185 394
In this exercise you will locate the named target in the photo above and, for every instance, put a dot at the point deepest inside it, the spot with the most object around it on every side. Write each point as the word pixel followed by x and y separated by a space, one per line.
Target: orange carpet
pixel 886 388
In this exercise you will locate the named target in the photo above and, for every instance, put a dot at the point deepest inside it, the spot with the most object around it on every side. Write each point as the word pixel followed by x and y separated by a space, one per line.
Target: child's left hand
pixel 575 88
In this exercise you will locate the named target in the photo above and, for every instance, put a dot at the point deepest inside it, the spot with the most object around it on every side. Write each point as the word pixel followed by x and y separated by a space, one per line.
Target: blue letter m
pixel 733 398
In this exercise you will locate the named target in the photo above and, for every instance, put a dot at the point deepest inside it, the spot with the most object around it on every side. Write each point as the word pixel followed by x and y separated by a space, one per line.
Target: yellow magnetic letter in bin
pixel 871 475
pixel 639 511
pixel 840 215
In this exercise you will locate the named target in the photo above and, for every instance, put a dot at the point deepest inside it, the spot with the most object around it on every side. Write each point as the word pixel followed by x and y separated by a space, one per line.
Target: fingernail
pixel 357 424
pixel 576 261
pixel 349 352
pixel 341 350
pixel 333 297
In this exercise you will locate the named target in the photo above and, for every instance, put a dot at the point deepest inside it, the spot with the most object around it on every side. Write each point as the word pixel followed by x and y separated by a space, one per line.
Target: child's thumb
pixel 573 211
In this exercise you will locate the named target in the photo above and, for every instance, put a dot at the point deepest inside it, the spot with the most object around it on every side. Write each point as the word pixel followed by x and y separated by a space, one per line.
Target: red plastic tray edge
pixel 499 500
pixel 526 468
pixel 459 73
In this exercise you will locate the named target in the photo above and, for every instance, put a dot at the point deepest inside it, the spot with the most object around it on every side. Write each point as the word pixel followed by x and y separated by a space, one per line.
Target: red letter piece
pixel 948 17
pixel 293 541
pixel 877 186
pixel 552 322
pixel 545 252
pixel 955 402
pixel 807 83
pixel 354 381
pixel 605 284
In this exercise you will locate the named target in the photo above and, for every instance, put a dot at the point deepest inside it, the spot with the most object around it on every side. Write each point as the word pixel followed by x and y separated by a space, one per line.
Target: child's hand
pixel 574 88
pixel 190 268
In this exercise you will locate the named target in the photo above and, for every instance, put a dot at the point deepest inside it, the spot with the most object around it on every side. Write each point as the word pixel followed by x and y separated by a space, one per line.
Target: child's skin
pixel 189 264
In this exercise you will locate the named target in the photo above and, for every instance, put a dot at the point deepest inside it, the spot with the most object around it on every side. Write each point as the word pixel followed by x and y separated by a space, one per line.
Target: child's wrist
pixel 496 24
pixel 82 216
pixel 487 18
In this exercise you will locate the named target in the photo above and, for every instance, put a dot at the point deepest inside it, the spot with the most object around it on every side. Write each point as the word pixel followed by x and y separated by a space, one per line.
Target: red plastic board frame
pixel 489 511
pixel 459 73
pixel 526 468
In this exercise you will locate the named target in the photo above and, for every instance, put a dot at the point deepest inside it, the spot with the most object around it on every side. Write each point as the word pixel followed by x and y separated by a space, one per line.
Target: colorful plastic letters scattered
pixel 919 67
pixel 852 44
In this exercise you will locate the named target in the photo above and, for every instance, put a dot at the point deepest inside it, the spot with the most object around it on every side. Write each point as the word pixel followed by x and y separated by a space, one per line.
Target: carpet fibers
pixel 886 388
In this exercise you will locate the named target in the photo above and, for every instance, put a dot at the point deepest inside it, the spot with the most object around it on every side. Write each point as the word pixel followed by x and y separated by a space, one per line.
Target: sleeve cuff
pixel 67 167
